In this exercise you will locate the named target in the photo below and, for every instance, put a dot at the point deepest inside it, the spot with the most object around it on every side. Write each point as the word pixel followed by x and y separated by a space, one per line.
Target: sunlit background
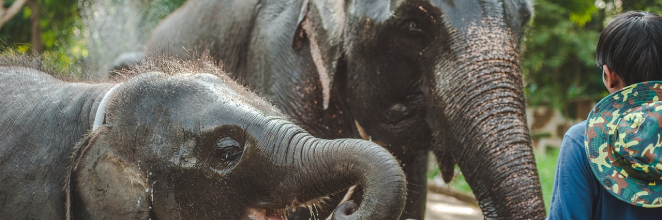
pixel 81 38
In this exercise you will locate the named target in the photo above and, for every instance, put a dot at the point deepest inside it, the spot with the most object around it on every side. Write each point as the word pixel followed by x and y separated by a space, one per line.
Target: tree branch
pixel 6 14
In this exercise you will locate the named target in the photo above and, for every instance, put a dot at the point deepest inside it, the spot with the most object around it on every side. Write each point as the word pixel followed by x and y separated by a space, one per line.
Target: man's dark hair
pixel 631 46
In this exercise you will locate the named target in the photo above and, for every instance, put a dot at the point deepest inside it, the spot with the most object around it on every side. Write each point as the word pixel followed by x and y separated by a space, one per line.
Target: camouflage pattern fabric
pixel 624 143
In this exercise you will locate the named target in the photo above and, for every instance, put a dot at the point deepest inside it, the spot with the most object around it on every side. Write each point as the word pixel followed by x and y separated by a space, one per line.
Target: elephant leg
pixel 415 166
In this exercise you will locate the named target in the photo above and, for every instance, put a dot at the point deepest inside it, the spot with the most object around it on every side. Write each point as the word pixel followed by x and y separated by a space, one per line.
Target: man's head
pixel 630 48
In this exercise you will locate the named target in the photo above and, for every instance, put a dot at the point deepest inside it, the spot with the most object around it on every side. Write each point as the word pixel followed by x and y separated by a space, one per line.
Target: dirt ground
pixel 442 207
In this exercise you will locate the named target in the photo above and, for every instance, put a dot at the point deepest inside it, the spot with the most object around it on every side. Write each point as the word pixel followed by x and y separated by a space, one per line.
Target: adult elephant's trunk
pixel 479 122
pixel 318 167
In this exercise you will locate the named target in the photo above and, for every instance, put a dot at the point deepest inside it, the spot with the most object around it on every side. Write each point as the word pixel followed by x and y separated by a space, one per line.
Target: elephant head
pixel 439 75
pixel 200 146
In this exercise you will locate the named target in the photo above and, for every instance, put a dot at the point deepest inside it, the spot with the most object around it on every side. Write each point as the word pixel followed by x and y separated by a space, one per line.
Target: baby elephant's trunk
pixel 322 167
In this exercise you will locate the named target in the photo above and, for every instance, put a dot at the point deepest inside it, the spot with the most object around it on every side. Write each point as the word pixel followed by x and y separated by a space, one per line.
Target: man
pixel 610 166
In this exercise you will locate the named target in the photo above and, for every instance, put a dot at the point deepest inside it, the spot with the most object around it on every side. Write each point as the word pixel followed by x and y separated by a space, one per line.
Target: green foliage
pixel 580 11
pixel 559 59
pixel 66 41
pixel 58 22
pixel 57 19
pixel 460 183
pixel 546 164
pixel 558 62
pixel 644 5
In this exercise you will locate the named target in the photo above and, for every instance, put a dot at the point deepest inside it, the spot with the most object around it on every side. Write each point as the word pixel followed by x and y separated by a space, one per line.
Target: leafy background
pixel 82 37
pixel 558 61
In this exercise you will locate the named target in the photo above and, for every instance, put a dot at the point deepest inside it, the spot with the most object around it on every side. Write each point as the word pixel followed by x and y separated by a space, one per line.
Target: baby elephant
pixel 184 144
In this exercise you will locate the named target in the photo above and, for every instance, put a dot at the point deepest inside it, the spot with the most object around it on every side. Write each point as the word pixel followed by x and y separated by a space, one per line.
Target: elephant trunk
pixel 318 167
pixel 481 125
pixel 507 184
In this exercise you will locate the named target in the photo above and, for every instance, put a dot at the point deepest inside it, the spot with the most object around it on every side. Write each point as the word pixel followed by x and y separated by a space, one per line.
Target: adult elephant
pixel 411 75
pixel 184 145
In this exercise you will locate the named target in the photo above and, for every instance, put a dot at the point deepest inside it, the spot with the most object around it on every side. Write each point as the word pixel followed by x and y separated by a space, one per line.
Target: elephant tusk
pixel 367 137
pixel 316 53
pixel 100 116
pixel 349 194
pixel 362 132
pixel 345 198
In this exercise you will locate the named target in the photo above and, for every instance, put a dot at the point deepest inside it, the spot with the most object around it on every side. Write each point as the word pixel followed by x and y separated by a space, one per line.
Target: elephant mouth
pixel 266 214
pixel 273 214
pixel 280 214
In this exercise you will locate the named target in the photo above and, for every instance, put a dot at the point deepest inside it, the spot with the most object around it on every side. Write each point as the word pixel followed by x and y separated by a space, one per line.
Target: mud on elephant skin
pixel 190 144
pixel 412 75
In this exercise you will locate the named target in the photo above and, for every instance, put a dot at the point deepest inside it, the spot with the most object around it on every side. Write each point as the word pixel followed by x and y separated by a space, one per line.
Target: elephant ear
pixel 104 185
pixel 322 23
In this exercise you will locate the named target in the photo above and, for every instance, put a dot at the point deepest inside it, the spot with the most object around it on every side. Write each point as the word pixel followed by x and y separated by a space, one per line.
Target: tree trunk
pixel 37 46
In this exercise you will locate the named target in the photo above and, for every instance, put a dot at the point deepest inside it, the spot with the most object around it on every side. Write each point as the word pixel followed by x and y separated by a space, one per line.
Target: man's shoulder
pixel 577 131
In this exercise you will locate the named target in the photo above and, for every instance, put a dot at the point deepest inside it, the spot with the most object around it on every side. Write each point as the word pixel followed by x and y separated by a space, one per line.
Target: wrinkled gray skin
pixel 187 146
pixel 412 75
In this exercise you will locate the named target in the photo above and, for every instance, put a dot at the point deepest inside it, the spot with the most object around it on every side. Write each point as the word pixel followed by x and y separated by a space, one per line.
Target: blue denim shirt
pixel 578 195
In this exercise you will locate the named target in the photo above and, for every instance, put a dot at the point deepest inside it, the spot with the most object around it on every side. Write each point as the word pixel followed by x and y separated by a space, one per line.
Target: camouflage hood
pixel 624 145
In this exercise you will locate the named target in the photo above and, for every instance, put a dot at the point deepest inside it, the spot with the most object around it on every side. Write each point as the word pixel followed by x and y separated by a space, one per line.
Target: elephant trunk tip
pixel 345 210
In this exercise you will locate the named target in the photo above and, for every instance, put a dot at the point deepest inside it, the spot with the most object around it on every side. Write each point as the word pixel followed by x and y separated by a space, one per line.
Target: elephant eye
pixel 412 26
pixel 228 149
